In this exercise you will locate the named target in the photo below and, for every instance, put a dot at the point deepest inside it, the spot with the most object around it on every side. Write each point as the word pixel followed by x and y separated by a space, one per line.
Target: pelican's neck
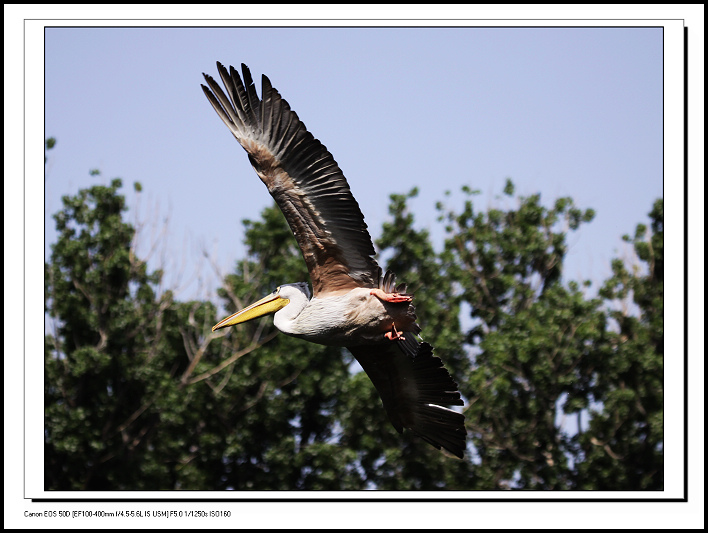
pixel 286 319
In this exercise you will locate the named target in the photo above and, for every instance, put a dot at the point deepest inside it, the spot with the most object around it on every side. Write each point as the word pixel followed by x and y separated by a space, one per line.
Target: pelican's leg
pixel 393 297
pixel 394 334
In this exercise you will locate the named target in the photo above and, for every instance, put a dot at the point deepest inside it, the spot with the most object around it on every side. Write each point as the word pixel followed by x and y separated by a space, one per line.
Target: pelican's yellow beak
pixel 270 304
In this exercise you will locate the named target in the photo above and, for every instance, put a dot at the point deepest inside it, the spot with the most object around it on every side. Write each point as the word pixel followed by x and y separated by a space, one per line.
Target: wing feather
pixel 412 382
pixel 303 178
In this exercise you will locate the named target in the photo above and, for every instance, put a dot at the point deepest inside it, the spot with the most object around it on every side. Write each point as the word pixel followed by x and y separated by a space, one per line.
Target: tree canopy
pixel 562 390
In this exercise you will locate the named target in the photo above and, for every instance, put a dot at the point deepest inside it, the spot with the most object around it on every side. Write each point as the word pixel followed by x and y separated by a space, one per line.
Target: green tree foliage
pixel 49 144
pixel 140 394
pixel 531 339
pixel 625 442
pixel 97 378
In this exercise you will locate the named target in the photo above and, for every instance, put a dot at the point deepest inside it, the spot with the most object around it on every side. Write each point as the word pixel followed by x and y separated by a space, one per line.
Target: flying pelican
pixel 353 305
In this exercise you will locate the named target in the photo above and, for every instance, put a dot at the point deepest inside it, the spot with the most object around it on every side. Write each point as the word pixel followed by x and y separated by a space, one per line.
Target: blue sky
pixel 561 111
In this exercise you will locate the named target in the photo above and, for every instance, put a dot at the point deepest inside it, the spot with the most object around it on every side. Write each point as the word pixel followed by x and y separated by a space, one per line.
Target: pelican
pixel 352 304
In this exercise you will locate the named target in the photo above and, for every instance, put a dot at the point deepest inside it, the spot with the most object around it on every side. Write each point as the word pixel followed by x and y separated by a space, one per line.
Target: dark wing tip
pixel 414 385
pixel 434 382
pixel 442 428
pixel 437 425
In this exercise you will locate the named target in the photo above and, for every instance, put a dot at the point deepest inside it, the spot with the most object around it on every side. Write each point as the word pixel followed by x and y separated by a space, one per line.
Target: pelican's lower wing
pixel 412 382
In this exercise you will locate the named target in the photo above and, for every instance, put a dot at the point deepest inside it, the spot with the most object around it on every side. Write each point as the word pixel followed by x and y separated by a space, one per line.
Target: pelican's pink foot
pixel 393 297
pixel 394 334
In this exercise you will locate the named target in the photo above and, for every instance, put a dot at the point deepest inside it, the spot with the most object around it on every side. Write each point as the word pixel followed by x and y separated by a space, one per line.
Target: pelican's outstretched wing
pixel 412 382
pixel 304 179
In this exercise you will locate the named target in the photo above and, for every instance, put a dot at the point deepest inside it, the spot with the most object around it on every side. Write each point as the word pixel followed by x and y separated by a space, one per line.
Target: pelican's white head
pixel 286 301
